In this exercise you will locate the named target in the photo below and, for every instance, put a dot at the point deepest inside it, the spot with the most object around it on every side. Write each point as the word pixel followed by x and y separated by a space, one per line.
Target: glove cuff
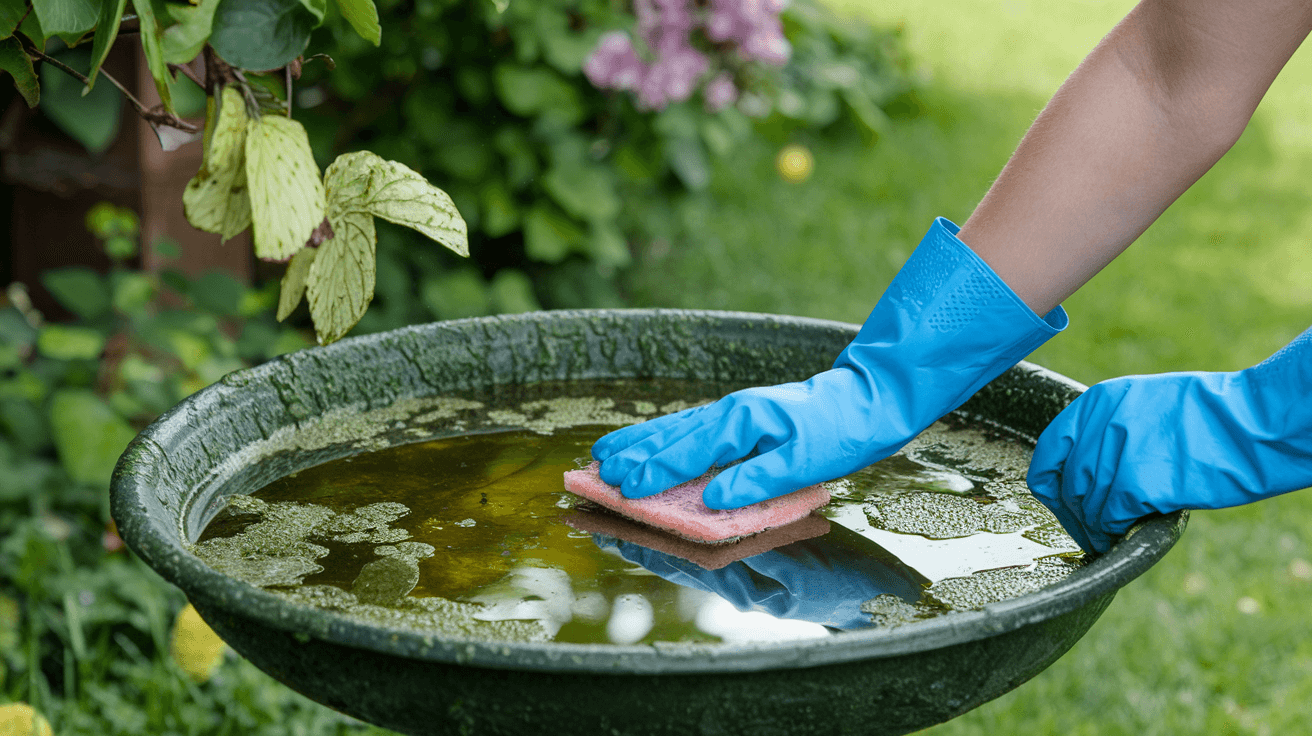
pixel 945 327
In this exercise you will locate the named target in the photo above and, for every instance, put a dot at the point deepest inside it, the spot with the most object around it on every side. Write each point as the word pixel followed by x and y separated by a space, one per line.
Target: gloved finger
pixel 768 475
pixel 667 459
pixel 1046 490
pixel 626 437
pixel 617 468
pixel 1058 486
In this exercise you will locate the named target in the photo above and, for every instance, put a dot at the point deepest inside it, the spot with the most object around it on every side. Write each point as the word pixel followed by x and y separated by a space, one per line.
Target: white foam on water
pixel 940 559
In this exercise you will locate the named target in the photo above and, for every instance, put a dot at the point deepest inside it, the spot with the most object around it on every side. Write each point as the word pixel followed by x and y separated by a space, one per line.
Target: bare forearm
pixel 1146 114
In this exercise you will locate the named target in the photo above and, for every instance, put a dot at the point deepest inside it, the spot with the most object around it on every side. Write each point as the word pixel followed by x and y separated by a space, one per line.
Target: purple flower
pixel 769 46
pixel 720 92
pixel 684 67
pixel 724 23
pixel 613 64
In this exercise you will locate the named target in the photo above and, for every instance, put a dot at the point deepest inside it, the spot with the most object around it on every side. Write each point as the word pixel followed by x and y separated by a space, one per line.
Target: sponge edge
pixel 681 511
pixel 706 556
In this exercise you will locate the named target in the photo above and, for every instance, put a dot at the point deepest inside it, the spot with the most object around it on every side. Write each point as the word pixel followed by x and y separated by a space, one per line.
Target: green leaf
pixel 19 66
pixel 537 91
pixel 261 34
pixel 153 47
pixel 11 14
pixel 133 291
pixel 872 119
pixel 111 13
pixel 91 119
pixel 362 181
pixel 500 215
pixel 548 235
pixel 562 48
pixel 585 191
pixel 66 17
pixel 31 27
pixel 89 435
pixel 608 246
pixel 293 281
pixel 340 283
pixel 287 196
pixel 216 199
pixel 64 342
pixel 456 295
pixel 317 8
pixel 363 17
pixel 192 24
pixel 688 159
pixel 217 292
pixel 512 292
pixel 79 290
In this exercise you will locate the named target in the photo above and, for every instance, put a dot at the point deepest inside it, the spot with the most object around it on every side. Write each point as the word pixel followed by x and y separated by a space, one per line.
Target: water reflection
pixel 822 581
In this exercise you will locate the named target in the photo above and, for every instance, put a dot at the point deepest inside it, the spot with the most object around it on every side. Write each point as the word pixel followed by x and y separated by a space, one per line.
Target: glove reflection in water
pixel 823 580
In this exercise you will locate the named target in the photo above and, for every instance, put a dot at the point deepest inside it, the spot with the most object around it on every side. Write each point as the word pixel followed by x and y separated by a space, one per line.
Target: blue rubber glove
pixel 823 580
pixel 946 326
pixel 1136 445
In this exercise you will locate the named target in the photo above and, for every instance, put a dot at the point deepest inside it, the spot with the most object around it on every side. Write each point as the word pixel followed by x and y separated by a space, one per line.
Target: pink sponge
pixel 707 556
pixel 681 511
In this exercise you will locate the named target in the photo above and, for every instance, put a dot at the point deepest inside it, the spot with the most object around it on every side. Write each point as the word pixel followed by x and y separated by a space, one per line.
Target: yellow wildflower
pixel 196 648
pixel 795 163
pixel 18 719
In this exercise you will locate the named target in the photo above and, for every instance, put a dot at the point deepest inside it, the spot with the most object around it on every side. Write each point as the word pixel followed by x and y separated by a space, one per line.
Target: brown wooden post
pixel 164 175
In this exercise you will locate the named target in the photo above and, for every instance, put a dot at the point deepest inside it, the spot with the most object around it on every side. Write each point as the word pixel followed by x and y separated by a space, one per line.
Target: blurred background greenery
pixel 575 199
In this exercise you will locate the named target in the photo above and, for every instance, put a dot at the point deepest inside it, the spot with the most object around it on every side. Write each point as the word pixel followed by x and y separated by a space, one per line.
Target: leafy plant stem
pixel 188 73
pixel 142 110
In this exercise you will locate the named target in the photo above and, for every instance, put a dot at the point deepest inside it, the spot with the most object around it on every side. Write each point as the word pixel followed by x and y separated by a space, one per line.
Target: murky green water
pixel 474 536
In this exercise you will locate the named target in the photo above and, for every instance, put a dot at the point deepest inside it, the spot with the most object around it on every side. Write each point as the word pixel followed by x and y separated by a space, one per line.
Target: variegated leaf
pixel 293 281
pixel 341 279
pixel 287 196
pixel 216 200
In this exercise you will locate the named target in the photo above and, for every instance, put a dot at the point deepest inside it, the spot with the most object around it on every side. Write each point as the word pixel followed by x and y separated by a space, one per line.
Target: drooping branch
pixel 155 115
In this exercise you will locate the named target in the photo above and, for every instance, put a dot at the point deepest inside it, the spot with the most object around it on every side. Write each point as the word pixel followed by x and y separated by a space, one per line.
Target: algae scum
pixel 473 535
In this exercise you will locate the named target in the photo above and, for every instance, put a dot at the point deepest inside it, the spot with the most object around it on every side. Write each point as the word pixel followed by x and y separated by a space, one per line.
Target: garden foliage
pixel 559 180
pixel 555 178
pixel 79 618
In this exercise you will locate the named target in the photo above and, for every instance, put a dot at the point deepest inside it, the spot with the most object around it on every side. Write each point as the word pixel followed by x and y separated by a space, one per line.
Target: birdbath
pixel 258 425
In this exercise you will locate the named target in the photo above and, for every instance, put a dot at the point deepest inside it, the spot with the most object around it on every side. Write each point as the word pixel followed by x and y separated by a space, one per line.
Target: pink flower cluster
pixel 752 27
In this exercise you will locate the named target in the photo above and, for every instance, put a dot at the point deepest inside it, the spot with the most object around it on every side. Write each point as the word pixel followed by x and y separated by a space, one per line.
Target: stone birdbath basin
pixel 258 425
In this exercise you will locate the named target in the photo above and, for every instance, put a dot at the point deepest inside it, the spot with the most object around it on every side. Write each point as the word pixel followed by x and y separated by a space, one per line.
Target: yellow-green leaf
pixel 398 194
pixel 293 281
pixel 393 191
pixel 287 196
pixel 341 279
pixel 347 180
pixel 217 200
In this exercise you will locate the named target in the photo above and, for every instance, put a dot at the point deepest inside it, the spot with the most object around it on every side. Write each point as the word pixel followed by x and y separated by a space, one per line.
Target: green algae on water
pixel 465 536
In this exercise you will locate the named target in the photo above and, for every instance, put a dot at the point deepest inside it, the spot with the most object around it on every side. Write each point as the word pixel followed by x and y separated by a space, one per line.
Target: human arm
pixel 1138 445
pixel 1159 100
pixel 1149 111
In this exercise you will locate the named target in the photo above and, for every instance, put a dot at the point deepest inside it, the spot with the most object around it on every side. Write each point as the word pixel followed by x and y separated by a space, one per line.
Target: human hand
pixel 1138 445
pixel 945 327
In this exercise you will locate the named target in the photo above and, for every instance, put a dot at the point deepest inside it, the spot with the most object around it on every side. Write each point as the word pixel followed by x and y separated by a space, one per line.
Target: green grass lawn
pixel 1223 279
